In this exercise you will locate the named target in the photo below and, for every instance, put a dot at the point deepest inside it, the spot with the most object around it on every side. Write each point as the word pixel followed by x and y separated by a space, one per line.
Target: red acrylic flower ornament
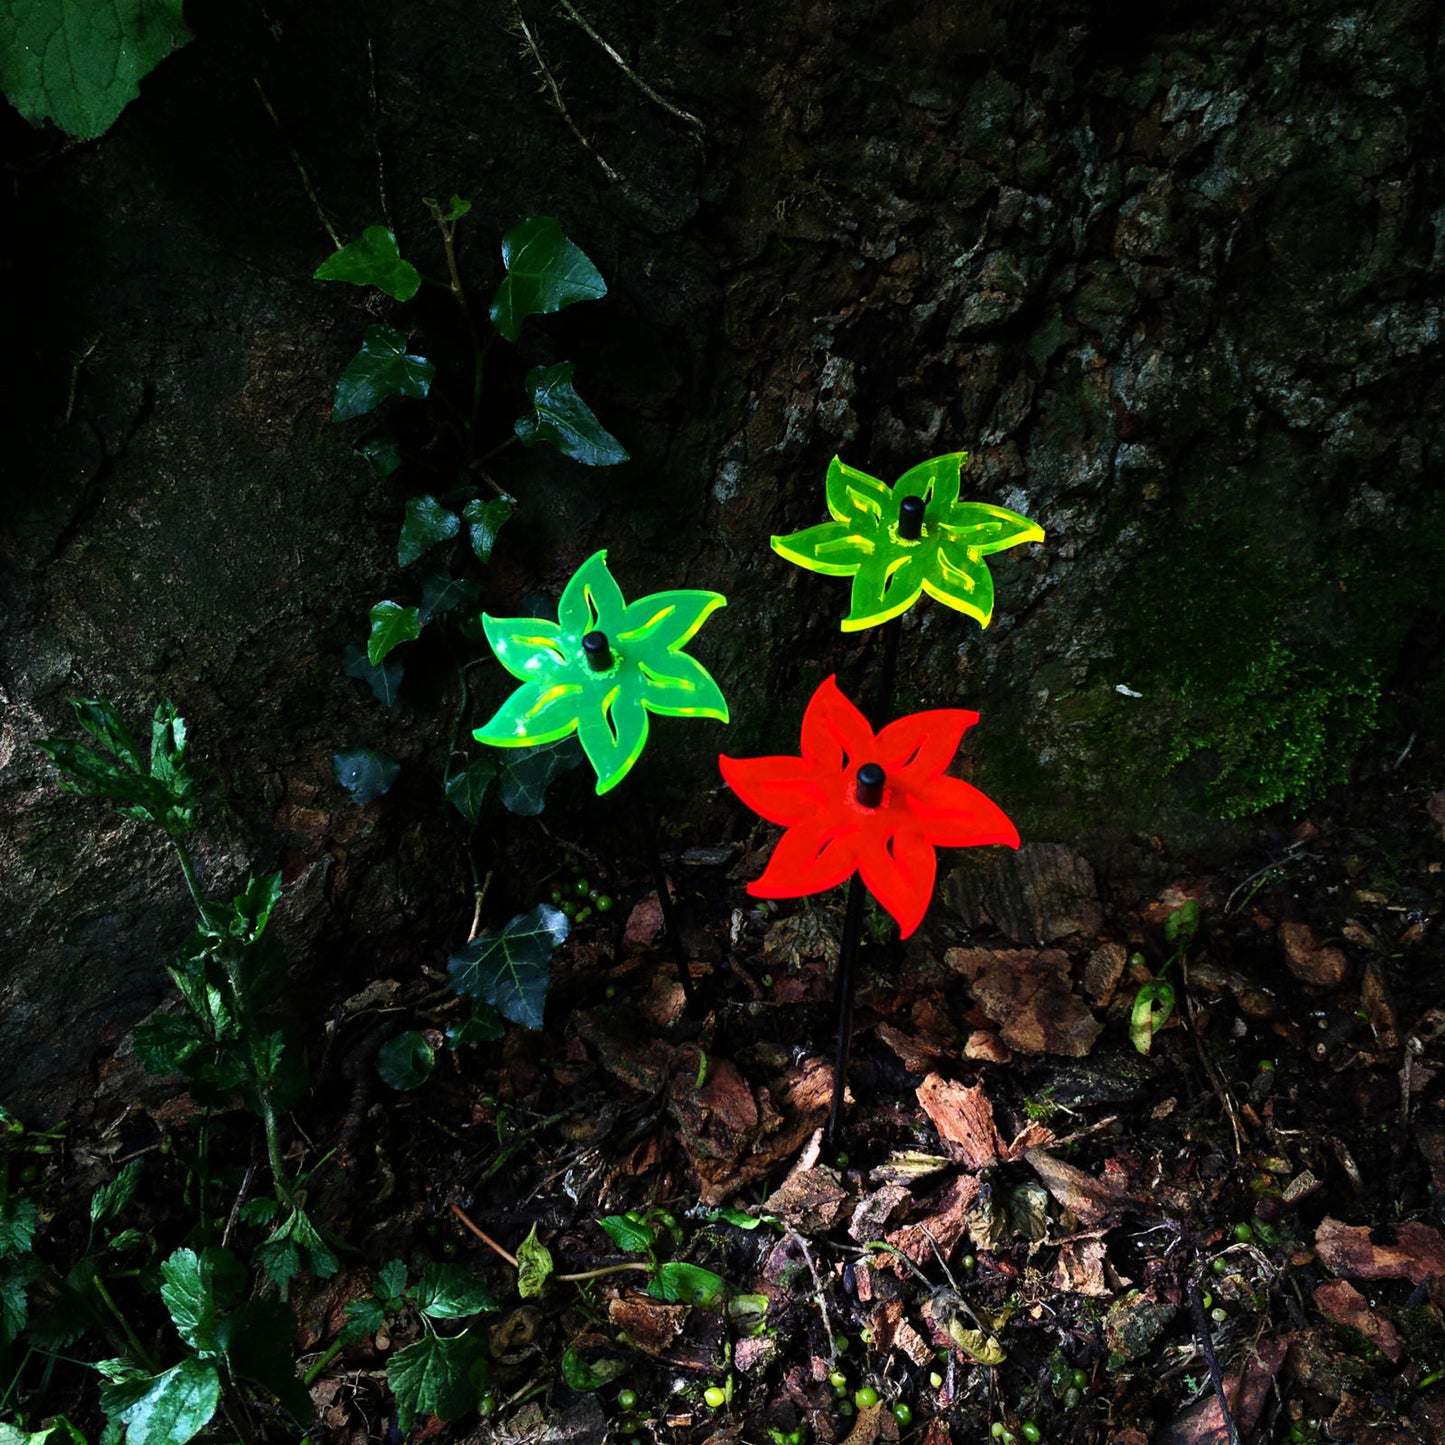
pixel 831 833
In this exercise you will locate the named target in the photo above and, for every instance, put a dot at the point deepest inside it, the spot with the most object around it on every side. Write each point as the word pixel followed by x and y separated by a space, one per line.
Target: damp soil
pixel 1025 1226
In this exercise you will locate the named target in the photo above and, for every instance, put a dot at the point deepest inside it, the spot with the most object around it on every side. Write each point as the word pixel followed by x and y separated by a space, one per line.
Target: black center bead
pixel 597 651
pixel 870 785
pixel 910 518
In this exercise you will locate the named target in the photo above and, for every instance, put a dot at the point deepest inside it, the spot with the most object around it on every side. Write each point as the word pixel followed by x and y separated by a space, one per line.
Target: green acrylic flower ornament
pixel 601 668
pixel 913 537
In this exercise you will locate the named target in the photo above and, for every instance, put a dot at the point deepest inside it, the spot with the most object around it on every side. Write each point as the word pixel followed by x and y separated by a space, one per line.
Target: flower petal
pixel 834 732
pixel 951 813
pixel 899 869
pixel 922 745
pixel 613 734
pixel 665 621
pixel 959 578
pixel 809 858
pixel 591 600
pixel 528 647
pixel 782 790
pixel 855 498
pixel 835 549
pixel 680 686
pixel 887 583
pixel 535 713
pixel 937 481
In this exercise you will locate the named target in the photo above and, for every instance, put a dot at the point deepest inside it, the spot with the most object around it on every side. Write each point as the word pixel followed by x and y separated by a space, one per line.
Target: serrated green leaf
pixel 524 775
pixel 372 260
pixel 15 1278
pixel 101 720
pixel 545 272
pixel 257 1340
pixel 406 1061
pixel 689 1284
pixel 587 1375
pixel 627 1234
pixel 295 1244
pixel 450 1292
pixel 115 1195
pixel 391 625
pixel 467 790
pixel 18 1221
pixel 562 418
pixel 365 773
pixel 1181 925
pixel 59 1432
pixel 390 1282
pixel 427 523
pixel 170 1408
pixel 198 1289
pixel 382 368
pixel 79 63
pixel 511 970
pixel 364 1317
pixel 441 593
pixel 484 520
pixel 534 1265
pixel 384 681
pixel 436 1376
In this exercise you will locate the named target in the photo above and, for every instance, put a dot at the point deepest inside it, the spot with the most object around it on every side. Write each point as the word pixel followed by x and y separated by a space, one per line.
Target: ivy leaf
pixel 561 417
pixel 365 773
pixel 384 681
pixel 381 452
pixel 441 592
pixel 526 775
pixel 458 208
pixel 79 63
pixel 391 625
pixel 167 1409
pixel 545 272
pixel 688 1284
pixel 372 260
pixel 485 1026
pixel 380 369
pixel 451 1292
pixel 435 1377
pixel 511 970
pixel 534 1265
pixel 427 523
pixel 406 1061
pixel 484 520
pixel 112 1197
pixel 467 789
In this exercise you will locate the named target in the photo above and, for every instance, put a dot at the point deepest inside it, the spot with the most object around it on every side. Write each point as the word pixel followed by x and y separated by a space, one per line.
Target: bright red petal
pixel 922 744
pixel 782 790
pixel 809 858
pixel 835 734
pixel 899 872
pixel 953 814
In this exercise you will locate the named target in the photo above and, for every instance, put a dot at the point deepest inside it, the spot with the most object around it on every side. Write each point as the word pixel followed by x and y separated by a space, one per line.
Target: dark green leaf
pixel 583 1375
pixel 525 774
pixel 364 1317
pixel 372 260
pixel 406 1061
pixel 534 1265
pixel 628 1235
pixel 545 272
pixel 390 1282
pixel 441 592
pixel 459 208
pixel 450 1292
pixel 436 1376
pixel 381 451
pixel 427 523
pixel 467 789
pixel 739 1217
pixel 72 1309
pixel 484 520
pixel 687 1284
pixel 79 63
pixel 259 1211
pixel 484 1026
pixel 59 1432
pixel 108 728
pixel 511 970
pixel 258 1345
pixel 384 681
pixel 251 908
pixel 18 1221
pixel 172 1408
pixel 167 1043
pixel 114 1196
pixel 562 418
pixel 365 773
pixel 295 1244
pixel 1181 925
pixel 15 1278
pixel 380 369
pixel 198 1289
pixel 391 625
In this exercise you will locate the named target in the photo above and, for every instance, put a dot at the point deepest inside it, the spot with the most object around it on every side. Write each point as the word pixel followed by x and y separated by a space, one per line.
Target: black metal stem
pixel 887 672
pixel 664 897
pixel 843 1002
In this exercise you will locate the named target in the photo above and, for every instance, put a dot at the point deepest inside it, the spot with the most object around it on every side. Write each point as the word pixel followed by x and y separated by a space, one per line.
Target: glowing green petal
pixel 592 600
pixel 528 647
pixel 685 689
pixel 533 715
pixel 614 734
pixel 889 571
pixel 665 621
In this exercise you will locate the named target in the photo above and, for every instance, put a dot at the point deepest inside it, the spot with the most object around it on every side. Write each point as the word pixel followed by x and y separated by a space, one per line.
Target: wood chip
pixel 1309 960
pixel 963 1117
pixel 1028 995
pixel 1389 1251
pixel 1093 1202
pixel 1342 1304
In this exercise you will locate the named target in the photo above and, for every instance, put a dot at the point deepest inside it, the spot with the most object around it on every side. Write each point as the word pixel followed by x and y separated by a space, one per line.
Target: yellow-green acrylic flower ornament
pixel 601 668
pixel 895 548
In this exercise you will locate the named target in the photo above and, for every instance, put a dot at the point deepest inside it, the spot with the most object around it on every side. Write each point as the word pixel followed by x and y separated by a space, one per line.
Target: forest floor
pixel 1028 1229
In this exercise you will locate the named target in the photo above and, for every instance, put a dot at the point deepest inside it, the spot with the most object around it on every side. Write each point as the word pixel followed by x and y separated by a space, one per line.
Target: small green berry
pixel 1243 1233
pixel 1031 1432
pixel 581 887
pixel 841 1161
pixel 556 896
pixel 841 1344
pixel 1219 1314
pixel 865 1398
pixel 583 914
pixel 766 980
pixel 903 1414
pixel 628 1426
pixel 627 1399
pixel 1219 1265
pixel 1080 1379
pixel 936 1380
pixel 969 1262
pixel 603 903
pixel 997 1429
pixel 715 1396
pixel 1206 1299
pixel 487 1405
pixel 838 1380
pixel 845 1408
